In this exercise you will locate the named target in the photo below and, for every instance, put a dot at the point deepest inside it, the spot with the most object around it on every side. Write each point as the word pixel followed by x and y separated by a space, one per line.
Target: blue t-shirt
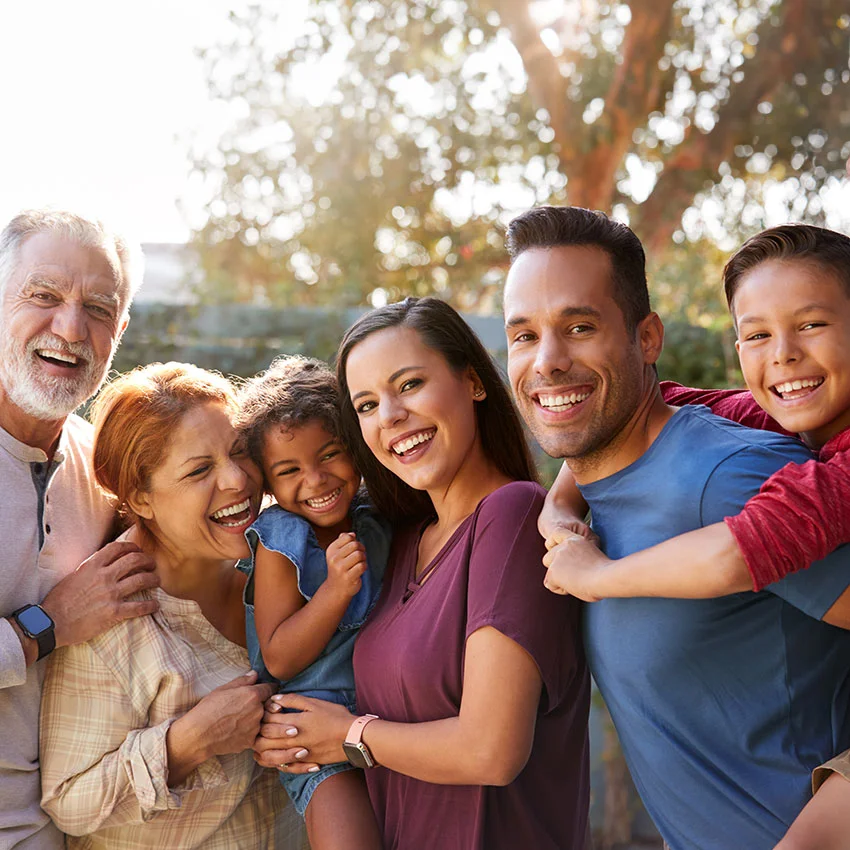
pixel 723 706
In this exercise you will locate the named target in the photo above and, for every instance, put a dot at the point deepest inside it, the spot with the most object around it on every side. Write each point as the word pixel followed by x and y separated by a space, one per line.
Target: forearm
pixel 298 640
pixel 446 752
pixel 700 564
pixel 186 747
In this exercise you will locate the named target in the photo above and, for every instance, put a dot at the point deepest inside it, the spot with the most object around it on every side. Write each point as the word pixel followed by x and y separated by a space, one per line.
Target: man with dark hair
pixel 66 284
pixel 723 706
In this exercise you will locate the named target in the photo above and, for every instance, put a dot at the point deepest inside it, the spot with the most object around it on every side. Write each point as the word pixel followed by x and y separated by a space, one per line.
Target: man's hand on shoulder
pixel 97 594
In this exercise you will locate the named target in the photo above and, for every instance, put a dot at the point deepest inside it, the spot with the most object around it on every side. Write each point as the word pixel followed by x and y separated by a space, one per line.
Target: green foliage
pixel 443 117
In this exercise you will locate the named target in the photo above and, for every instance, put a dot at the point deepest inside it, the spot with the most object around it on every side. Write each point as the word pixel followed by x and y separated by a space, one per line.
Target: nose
pixel 315 476
pixel 785 348
pixel 69 322
pixel 552 355
pixel 233 476
pixel 390 411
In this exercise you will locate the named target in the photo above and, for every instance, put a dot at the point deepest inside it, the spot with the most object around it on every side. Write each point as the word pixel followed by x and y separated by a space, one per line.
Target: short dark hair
pixel 817 246
pixel 291 392
pixel 443 330
pixel 553 227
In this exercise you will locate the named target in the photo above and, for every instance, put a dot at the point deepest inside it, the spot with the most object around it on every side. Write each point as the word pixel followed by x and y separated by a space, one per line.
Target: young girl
pixel 318 560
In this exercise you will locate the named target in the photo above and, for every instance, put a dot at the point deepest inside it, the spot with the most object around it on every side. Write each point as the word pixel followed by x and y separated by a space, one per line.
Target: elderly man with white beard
pixel 66 283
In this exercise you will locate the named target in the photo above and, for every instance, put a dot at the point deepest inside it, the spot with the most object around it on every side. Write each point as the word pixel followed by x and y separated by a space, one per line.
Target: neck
pixel 477 478
pixel 630 442
pixel 39 433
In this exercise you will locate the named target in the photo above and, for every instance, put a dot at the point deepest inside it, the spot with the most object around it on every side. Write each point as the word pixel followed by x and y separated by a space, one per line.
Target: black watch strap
pixel 45 639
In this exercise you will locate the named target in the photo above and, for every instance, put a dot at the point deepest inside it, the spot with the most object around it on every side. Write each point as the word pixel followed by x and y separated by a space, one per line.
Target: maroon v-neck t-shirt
pixel 408 667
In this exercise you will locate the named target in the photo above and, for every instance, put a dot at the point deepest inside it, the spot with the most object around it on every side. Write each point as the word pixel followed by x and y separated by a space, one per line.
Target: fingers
pixel 131 563
pixel 137 581
pixel 264 691
pixel 550 584
pixel 296 701
pixel 112 552
pixel 240 681
pixel 136 608
pixel 292 758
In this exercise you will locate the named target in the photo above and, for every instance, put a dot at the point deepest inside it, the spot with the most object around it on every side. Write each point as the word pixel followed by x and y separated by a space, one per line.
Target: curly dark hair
pixel 442 329
pixel 291 392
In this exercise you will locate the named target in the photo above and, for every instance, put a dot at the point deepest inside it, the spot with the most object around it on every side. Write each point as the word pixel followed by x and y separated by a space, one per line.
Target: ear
pixel 650 333
pixel 738 346
pixel 139 505
pixel 121 330
pixel 478 391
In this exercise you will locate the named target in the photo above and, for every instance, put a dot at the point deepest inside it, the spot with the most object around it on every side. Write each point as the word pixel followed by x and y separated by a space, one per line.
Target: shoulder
pixel 77 436
pixel 512 500
pixel 274 522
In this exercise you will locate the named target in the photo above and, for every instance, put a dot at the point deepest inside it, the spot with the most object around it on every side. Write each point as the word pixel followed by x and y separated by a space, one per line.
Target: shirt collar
pixel 839 443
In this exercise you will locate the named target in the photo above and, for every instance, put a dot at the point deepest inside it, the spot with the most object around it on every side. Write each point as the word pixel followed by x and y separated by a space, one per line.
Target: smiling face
pixel 577 372
pixel 416 413
pixel 61 321
pixel 205 492
pixel 311 474
pixel 793 320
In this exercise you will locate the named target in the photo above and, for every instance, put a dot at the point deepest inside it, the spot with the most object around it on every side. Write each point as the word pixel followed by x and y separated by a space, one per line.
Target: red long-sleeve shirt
pixel 801 512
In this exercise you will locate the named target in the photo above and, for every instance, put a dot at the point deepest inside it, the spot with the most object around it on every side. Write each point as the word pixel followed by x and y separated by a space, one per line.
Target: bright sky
pixel 93 95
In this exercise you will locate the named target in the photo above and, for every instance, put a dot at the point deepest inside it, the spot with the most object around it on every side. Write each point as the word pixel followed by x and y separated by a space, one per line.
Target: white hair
pixel 124 256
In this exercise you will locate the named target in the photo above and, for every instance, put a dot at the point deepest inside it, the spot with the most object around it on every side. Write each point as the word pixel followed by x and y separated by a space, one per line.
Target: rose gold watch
pixel 355 750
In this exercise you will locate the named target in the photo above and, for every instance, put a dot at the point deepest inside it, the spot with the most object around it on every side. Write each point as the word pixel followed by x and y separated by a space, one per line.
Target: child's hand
pixel 346 559
pixel 576 566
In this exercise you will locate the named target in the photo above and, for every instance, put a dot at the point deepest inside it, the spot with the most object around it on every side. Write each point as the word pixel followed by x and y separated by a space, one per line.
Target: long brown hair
pixel 443 330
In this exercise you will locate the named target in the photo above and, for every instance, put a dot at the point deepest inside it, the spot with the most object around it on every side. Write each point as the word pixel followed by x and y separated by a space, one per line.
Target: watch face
pixel 357 755
pixel 35 621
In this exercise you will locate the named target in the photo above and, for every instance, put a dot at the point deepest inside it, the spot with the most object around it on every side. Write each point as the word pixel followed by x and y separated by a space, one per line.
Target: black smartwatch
pixel 37 624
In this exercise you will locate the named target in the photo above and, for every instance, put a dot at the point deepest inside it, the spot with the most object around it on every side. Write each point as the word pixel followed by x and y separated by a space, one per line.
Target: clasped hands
pixel 574 563
pixel 287 740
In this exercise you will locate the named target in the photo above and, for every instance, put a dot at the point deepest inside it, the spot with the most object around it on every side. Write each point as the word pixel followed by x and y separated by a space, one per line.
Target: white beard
pixel 41 395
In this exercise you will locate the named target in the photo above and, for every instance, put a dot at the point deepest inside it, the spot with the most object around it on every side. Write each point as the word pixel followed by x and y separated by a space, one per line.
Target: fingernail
pixel 274 707
pixel 312 770
pixel 300 754
pixel 278 697
pixel 292 732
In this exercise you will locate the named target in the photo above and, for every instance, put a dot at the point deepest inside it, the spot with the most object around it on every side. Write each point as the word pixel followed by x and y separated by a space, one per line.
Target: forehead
pixel 544 281
pixel 305 437
pixel 378 357
pixel 200 427
pixel 786 286
pixel 63 262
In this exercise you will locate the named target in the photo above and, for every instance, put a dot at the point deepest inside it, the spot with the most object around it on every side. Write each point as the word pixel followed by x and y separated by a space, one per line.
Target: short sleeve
pixel 506 586
pixel 735 405
pixel 739 478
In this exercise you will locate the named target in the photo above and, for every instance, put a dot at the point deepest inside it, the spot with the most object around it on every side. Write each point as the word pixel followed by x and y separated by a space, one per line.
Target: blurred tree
pixel 443 117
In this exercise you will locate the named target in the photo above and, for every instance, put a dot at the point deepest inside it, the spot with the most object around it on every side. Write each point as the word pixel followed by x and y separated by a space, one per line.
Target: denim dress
pixel 330 677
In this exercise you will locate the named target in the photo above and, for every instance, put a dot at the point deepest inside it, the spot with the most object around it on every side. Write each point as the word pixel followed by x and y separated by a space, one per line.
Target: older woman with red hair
pixel 146 730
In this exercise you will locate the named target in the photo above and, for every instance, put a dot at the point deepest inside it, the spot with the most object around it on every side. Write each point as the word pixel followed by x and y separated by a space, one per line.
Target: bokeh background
pixel 289 165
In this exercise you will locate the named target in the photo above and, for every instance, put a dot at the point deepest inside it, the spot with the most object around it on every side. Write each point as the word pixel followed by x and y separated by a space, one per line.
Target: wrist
pixel 186 744
pixel 28 646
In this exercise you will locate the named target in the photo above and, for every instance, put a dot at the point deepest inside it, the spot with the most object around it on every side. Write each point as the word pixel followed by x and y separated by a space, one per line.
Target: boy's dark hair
pixel 291 392
pixel 553 227
pixel 817 246
pixel 443 330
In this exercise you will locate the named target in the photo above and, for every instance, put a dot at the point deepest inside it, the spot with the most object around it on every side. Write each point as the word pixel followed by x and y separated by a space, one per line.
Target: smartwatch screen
pixel 34 620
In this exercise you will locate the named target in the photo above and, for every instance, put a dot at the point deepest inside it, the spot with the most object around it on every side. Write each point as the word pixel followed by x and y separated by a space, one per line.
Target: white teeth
pixel 57 355
pixel 562 400
pixel 233 509
pixel 406 445
pixel 324 501
pixel 793 386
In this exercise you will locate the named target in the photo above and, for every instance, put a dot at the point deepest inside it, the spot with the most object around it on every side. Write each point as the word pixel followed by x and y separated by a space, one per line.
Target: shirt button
pixel 37 468
pixel 47 528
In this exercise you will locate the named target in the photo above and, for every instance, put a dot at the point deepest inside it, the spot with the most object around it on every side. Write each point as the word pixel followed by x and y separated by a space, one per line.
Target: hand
pixel 565 527
pixel 576 566
pixel 317 731
pixel 346 559
pixel 227 719
pixel 96 595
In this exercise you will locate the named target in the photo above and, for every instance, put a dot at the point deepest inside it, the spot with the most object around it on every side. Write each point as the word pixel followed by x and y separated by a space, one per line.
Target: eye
pixel 812 325
pixel 44 297
pixel 331 454
pixel 525 336
pixel 365 407
pixel 580 329
pixel 755 337
pixel 289 470
pixel 99 311
pixel 199 471
pixel 410 383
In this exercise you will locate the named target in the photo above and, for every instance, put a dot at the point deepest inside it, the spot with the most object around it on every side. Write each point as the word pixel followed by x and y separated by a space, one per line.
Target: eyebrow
pixel 195 459
pixel 391 380
pixel 567 312
pixel 750 318
pixel 60 286
pixel 292 460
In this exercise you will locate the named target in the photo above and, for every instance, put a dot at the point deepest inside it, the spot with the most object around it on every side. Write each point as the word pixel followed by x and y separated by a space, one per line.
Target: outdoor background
pixel 288 165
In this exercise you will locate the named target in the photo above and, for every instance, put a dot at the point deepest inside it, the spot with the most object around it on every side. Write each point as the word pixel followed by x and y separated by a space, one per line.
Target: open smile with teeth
pixel 558 403
pixel 408 443
pixel 58 358
pixel 322 502
pixel 233 516
pixel 796 389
